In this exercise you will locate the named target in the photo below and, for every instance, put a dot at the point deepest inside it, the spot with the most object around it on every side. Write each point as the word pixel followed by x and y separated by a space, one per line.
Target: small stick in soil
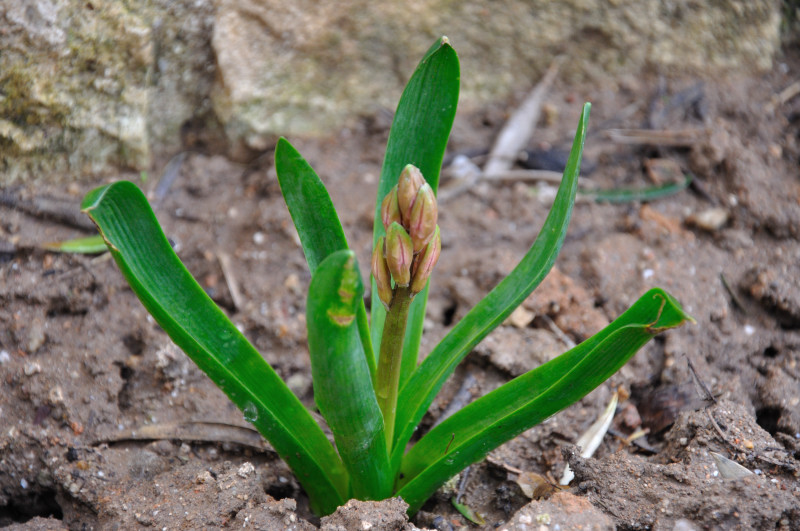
pixel 547 176
pixel 508 176
pixel 519 128
pixel 462 485
pixel 722 434
pixel 783 96
pixel 706 392
pixel 60 211
pixel 739 449
pixel 168 178
pixel 698 186
pixel 512 138
pixel 505 466
pixel 639 442
pixel 209 432
pixel 671 138
pixel 734 299
pixel 568 342
pixel 230 280
pixel 461 399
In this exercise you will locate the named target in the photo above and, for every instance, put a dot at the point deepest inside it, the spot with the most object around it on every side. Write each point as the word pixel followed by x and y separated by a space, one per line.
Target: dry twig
pixel 519 128
pixel 230 280
pixel 673 138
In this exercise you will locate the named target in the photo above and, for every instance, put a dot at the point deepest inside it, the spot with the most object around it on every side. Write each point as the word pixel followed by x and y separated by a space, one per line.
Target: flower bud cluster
pixel 411 247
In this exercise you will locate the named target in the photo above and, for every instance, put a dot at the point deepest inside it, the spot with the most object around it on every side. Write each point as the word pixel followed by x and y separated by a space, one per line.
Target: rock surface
pixel 386 515
pixel 562 511
pixel 89 87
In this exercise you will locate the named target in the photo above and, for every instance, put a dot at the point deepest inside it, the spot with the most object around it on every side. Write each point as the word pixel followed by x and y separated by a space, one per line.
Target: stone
pixel 89 88
pixel 561 511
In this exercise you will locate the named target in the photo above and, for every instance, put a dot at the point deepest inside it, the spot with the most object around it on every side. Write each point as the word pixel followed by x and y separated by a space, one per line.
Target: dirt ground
pixel 106 425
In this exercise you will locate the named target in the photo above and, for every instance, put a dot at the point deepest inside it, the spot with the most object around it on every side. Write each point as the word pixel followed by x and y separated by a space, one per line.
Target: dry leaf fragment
pixel 728 468
pixel 591 439
pixel 535 486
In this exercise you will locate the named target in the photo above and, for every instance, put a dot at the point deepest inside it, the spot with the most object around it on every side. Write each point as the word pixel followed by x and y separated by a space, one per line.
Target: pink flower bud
pixel 399 254
pixel 390 211
pixel 408 185
pixel 425 262
pixel 380 270
pixel 423 219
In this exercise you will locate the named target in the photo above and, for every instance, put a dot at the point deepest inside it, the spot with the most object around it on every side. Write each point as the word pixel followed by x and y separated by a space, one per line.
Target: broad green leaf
pixel 198 326
pixel 342 383
pixel 480 427
pixel 418 136
pixel 419 392
pixel 309 204
pixel 88 245
pixel 316 221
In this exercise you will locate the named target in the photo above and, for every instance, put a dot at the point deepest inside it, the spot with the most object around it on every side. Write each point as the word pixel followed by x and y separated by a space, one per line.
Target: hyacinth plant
pixel 368 383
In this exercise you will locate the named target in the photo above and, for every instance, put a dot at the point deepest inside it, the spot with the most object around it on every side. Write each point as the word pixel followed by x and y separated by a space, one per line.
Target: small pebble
pixel 36 336
pixel 56 396
pixel 683 525
pixel 292 282
pixel 710 220
pixel 299 383
pixel 204 477
pixel 32 368
pixel 246 470
pixel 5 357
pixel 520 317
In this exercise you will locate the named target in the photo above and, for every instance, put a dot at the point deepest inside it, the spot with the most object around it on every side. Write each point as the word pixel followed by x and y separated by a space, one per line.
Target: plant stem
pixel 391 357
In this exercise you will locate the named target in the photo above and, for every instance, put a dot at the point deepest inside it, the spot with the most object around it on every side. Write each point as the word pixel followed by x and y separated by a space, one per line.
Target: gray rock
pixel 87 88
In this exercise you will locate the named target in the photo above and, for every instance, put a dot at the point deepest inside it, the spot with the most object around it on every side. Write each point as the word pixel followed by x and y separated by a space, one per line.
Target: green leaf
pixel 627 195
pixel 317 223
pixel 88 245
pixel 342 383
pixel 310 206
pixel 418 136
pixel 419 392
pixel 198 326
pixel 468 512
pixel 501 415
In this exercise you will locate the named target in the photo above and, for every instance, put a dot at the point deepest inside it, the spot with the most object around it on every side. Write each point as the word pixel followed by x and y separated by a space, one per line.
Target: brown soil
pixel 106 425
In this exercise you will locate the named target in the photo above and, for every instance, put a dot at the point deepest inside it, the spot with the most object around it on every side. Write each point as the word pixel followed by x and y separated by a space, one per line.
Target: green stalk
pixel 391 357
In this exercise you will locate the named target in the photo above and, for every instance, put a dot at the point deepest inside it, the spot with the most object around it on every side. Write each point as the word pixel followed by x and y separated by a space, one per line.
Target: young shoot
pixel 368 383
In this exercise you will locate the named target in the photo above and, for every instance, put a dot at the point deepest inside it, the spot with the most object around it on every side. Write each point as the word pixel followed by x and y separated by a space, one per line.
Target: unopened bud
pixel 424 216
pixel 380 270
pixel 408 185
pixel 390 211
pixel 399 254
pixel 425 261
